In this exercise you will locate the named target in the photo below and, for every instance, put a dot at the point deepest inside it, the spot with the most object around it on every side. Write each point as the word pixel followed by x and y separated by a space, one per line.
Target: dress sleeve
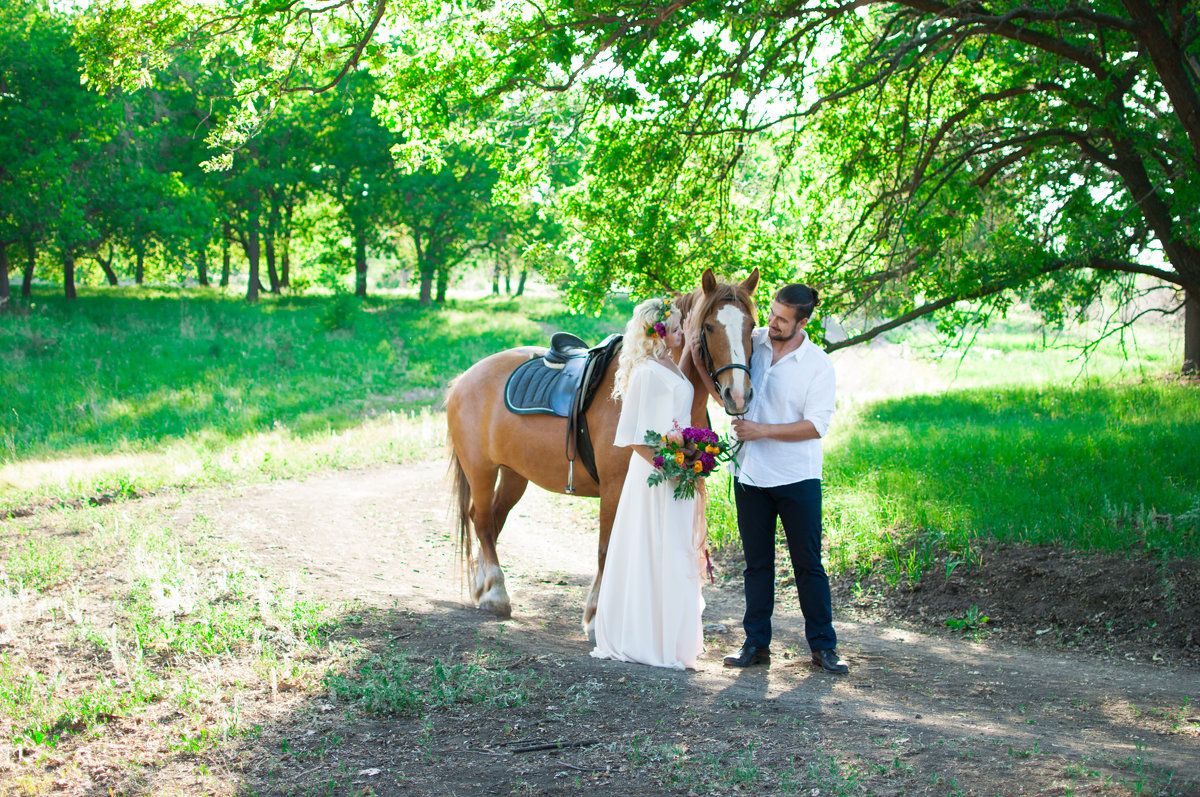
pixel 646 406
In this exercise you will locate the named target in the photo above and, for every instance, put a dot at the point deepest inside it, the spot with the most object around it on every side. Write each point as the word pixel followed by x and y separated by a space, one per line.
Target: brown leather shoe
pixel 830 661
pixel 750 654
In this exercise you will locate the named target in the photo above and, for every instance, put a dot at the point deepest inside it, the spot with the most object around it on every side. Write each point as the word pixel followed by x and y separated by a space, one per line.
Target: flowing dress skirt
pixel 650 605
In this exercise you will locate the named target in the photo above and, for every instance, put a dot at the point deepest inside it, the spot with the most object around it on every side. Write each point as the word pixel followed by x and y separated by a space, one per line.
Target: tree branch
pixel 994 288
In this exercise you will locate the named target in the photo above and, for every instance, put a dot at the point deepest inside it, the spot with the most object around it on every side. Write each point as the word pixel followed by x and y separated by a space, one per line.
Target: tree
pixel 1044 151
pixel 356 168
pixel 448 213
pixel 50 132
pixel 929 157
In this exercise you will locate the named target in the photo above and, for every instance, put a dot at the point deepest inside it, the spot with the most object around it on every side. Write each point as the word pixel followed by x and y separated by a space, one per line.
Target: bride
pixel 649 606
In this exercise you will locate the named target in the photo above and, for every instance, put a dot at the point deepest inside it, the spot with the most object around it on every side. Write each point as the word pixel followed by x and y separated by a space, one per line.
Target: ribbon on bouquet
pixel 700 527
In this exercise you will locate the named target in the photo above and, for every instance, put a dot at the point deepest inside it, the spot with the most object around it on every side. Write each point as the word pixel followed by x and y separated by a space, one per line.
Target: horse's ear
pixel 708 281
pixel 751 282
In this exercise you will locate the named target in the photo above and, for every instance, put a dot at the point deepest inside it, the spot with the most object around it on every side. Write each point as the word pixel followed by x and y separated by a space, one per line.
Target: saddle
pixel 563 382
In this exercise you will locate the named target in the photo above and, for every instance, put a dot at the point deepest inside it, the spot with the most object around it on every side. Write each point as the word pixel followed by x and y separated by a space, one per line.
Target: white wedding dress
pixel 650 604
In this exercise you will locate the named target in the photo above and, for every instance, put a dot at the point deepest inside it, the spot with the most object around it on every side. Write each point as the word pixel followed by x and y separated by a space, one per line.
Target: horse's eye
pixel 708 327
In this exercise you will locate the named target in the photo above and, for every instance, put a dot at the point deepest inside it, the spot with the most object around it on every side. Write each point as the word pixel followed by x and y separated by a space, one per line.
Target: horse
pixel 495 453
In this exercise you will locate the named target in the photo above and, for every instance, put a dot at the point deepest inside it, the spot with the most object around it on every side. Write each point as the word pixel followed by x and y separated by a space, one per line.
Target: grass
pixel 1091 467
pixel 153 614
pixel 1031 445
pixel 126 391
pixel 389 683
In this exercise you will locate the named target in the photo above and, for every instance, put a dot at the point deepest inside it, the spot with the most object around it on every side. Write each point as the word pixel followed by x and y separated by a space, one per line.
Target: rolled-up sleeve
pixel 819 404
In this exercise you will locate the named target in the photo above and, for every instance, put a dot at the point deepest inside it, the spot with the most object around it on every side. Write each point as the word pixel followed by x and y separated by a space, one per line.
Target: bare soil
pixel 1084 679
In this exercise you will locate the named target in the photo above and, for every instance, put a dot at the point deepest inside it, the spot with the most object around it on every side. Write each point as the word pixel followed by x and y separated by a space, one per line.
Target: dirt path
pixel 919 714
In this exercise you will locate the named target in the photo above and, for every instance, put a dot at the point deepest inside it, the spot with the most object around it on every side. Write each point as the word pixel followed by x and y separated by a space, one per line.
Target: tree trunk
pixel 226 235
pixel 106 267
pixel 508 278
pixel 30 262
pixel 1191 335
pixel 496 276
pixel 426 287
pixel 252 247
pixel 69 274
pixel 426 268
pixel 285 256
pixel 360 262
pixel 202 265
pixel 272 274
pixel 139 270
pixel 443 279
pixel 5 291
pixel 521 282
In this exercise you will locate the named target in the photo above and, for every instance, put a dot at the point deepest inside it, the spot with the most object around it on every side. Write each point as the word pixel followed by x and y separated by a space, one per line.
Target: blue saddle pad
pixel 536 387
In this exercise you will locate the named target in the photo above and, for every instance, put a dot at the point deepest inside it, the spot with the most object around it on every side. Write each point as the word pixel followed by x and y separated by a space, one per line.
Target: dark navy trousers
pixel 799 507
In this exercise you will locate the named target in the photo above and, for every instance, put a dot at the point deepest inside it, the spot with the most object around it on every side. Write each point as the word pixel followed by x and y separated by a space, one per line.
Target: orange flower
pixel 678 457
pixel 696 466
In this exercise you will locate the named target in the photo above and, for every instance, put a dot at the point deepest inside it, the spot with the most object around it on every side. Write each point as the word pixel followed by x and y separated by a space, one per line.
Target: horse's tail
pixel 461 490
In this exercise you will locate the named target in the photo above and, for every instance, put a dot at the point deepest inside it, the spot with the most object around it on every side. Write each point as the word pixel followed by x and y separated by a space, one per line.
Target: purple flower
pixel 658 462
pixel 661 329
pixel 708 461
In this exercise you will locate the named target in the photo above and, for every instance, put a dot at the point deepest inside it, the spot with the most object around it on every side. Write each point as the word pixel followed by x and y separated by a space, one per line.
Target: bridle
pixel 706 358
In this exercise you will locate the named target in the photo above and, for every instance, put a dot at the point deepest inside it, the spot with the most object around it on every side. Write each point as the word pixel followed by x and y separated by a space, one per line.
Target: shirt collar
pixel 765 340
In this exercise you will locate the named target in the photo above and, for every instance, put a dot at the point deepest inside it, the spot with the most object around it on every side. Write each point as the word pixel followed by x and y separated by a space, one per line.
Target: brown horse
pixel 495 453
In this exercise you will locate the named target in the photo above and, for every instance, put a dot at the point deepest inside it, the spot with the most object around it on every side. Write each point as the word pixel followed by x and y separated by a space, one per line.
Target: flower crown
pixel 659 327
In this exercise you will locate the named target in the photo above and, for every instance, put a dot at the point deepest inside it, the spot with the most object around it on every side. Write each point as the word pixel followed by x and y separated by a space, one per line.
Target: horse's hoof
pixel 497 606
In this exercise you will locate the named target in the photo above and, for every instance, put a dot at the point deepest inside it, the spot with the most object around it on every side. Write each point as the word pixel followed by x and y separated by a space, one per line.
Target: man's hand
pixel 748 430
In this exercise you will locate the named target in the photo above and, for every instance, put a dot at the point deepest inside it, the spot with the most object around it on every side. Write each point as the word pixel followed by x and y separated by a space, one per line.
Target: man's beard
pixel 779 337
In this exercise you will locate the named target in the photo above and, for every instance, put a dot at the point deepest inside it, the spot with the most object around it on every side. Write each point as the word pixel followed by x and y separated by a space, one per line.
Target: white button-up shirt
pixel 799 387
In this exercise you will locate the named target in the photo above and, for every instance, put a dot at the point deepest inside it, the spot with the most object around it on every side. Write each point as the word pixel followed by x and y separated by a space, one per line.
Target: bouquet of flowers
pixel 687 455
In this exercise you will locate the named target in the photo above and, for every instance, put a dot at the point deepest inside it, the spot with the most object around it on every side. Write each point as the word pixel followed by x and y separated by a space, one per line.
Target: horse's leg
pixel 609 495
pixel 483 570
pixel 487 581
pixel 491 504
pixel 510 489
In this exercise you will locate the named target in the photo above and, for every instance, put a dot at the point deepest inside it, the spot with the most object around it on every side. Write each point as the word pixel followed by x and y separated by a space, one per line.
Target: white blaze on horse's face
pixel 736 394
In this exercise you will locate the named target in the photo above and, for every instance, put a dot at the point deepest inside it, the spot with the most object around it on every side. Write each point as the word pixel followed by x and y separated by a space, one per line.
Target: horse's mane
pixel 697 305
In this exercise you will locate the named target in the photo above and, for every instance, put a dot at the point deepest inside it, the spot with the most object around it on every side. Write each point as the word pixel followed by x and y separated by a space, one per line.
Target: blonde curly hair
pixel 640 343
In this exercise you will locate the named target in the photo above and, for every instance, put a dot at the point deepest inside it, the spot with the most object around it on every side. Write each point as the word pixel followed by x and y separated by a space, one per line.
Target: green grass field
pixel 130 390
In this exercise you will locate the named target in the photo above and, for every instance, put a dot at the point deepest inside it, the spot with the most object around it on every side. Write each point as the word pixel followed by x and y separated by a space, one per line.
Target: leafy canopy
pixel 906 156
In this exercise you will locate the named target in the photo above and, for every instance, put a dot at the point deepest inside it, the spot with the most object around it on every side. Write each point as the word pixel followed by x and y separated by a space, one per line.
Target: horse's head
pixel 719 318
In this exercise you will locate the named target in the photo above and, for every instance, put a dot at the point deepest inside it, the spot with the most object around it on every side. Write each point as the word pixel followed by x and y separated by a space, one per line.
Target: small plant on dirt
pixel 973 620
pixel 390 684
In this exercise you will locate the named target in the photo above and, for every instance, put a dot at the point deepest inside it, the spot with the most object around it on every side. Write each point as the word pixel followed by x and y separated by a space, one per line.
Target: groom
pixel 778 476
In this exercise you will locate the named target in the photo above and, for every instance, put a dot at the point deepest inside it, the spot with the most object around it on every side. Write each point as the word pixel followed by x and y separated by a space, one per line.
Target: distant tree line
pixel 116 181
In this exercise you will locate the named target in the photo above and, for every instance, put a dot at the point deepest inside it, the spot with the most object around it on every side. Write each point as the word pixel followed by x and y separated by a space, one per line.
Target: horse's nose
pixel 736 400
